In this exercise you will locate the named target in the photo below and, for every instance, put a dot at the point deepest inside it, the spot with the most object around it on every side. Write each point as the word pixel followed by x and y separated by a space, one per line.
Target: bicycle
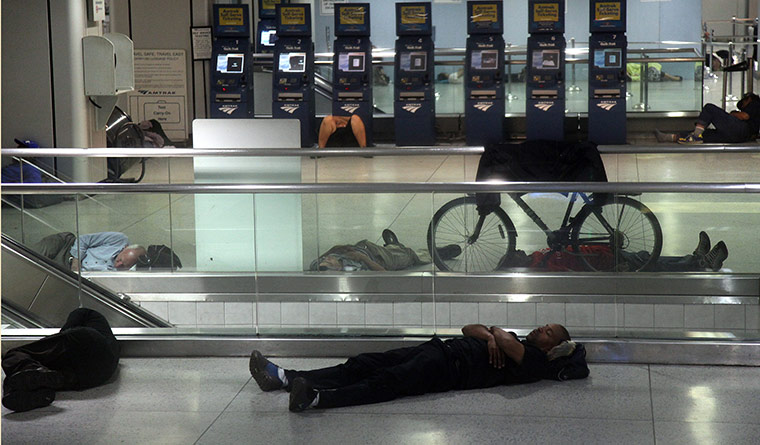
pixel 618 222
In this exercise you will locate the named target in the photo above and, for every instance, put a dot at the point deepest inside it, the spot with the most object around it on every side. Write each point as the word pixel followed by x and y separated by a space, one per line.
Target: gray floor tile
pixel 706 432
pixel 706 394
pixel 166 384
pixel 72 426
pixel 331 427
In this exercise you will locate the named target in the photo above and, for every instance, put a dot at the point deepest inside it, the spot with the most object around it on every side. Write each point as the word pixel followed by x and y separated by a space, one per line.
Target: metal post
pixel 730 91
pixel 510 96
pixel 744 73
pixel 643 85
pixel 573 87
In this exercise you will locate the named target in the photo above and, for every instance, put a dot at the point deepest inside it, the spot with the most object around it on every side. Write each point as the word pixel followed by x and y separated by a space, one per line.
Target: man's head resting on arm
pixel 548 336
pixel 128 257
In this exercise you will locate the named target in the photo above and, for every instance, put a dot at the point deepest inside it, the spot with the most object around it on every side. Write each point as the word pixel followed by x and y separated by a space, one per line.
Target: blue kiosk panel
pixel 484 73
pixel 607 62
pixel 293 69
pixel 414 91
pixel 231 74
pixel 266 31
pixel 545 85
pixel 352 64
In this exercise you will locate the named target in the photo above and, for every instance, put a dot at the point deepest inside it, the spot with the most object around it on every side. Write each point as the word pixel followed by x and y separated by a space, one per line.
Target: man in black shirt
pixel 483 358
pixel 738 126
pixel 84 354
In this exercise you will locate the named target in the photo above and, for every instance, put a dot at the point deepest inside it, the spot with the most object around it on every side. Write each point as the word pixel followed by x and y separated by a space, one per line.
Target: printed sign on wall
pixel 161 90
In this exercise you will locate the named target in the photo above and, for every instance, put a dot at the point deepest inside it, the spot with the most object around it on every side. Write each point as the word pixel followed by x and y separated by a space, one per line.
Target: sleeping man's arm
pixel 501 344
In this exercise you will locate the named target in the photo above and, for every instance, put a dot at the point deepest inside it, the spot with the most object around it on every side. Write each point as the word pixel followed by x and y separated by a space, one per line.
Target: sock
pixel 698 131
pixel 282 377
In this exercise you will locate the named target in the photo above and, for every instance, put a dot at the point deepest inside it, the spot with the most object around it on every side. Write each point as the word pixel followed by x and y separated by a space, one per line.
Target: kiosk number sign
pixel 546 12
pixel 231 17
pixel 413 15
pixel 485 13
pixel 607 11
pixel 352 15
pixel 293 16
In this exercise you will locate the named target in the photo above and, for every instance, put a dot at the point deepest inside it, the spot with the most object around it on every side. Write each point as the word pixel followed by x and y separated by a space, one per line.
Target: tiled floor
pixel 214 401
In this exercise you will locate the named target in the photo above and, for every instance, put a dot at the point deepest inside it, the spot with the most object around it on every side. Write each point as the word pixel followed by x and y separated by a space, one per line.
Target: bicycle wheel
pixel 628 229
pixel 456 222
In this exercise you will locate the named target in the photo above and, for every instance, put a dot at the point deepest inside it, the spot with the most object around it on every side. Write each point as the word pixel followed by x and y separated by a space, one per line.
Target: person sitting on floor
pixel 342 131
pixel 740 125
pixel 84 354
pixel 366 255
pixel 483 358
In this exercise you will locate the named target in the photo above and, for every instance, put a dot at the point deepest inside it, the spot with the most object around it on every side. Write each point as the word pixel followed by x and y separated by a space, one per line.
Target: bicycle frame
pixel 555 239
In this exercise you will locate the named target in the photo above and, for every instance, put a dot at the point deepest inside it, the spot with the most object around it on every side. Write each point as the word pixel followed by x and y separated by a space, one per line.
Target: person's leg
pixel 726 125
pixel 427 370
pixel 357 127
pixel 326 128
pixel 55 246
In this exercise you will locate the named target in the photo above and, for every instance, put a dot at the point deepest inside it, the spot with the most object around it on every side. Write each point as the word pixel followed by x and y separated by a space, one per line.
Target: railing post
pixel 573 87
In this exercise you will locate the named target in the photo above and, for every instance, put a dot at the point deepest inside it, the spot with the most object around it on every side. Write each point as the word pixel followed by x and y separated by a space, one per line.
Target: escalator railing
pixel 43 292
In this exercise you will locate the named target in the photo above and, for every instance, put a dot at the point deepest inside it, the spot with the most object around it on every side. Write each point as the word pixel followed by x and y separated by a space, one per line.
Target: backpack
pixel 571 366
pixel 159 256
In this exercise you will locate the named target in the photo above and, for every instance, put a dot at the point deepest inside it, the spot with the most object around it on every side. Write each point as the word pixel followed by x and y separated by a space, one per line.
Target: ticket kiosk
pixel 352 64
pixel 484 73
pixel 545 74
pixel 231 74
pixel 293 69
pixel 414 86
pixel 606 72
pixel 266 31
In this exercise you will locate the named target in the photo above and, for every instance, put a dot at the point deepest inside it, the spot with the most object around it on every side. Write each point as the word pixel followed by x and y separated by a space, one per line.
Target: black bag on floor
pixel 159 256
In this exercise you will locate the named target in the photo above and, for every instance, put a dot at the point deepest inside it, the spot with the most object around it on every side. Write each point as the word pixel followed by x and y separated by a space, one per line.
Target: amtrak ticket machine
pixel 484 73
pixel 266 31
pixel 352 64
pixel 414 90
pixel 231 74
pixel 606 72
pixel 545 74
pixel 293 69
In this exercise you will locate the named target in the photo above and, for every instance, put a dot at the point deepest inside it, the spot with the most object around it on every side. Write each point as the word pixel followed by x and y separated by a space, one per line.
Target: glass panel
pixel 682 294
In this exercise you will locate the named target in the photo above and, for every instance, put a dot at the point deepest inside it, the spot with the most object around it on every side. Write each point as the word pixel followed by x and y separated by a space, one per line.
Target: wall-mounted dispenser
pixel 109 70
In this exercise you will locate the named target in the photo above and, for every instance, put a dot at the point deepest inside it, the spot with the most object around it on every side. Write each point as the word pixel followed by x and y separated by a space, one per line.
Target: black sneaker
pixel 389 237
pixel 703 246
pixel 27 400
pixel 32 379
pixel 448 252
pixel 302 395
pixel 716 256
pixel 264 372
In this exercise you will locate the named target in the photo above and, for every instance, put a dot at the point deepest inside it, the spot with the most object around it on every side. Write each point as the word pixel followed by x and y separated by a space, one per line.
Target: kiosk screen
pixel 546 59
pixel 229 63
pixel 268 36
pixel 608 58
pixel 413 61
pixel 486 59
pixel 292 62
pixel 351 62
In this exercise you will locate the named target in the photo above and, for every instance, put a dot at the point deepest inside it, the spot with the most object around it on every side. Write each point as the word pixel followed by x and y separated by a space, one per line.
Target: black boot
pixel 703 246
pixel 715 257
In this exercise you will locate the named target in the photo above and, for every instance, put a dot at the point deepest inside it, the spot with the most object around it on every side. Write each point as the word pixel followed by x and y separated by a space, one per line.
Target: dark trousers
pixel 56 247
pixel 380 377
pixel 727 128
pixel 687 263
pixel 85 351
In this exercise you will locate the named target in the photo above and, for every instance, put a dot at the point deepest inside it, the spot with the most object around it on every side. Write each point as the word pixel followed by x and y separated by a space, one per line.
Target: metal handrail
pixel 385 187
pixel 378 150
